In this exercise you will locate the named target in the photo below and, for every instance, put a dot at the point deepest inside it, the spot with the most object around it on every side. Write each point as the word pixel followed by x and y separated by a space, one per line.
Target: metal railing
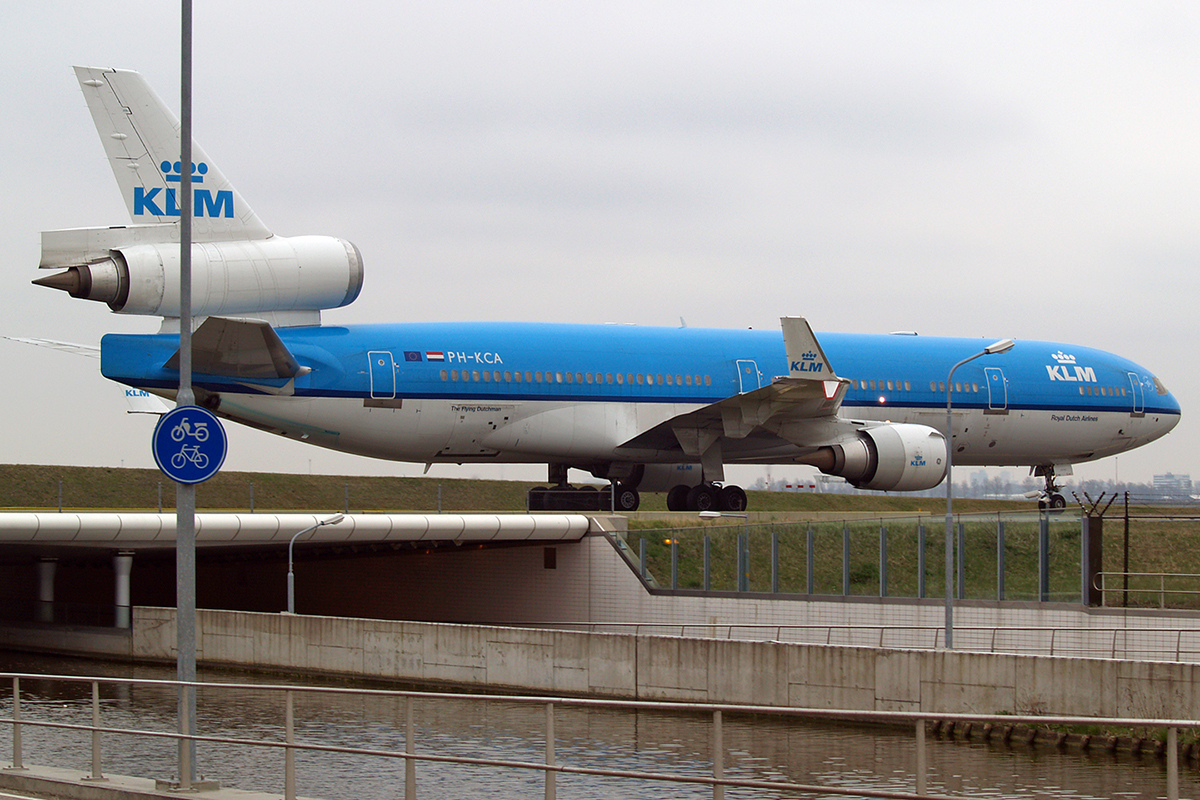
pixel 1146 643
pixel 551 766
pixel 1162 591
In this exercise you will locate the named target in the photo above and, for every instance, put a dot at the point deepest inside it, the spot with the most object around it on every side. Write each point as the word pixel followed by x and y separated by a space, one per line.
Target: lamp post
pixel 1002 346
pixel 291 581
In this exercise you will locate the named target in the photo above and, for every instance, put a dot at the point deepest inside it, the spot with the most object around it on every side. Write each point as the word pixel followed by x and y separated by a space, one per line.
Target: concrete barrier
pixel 675 668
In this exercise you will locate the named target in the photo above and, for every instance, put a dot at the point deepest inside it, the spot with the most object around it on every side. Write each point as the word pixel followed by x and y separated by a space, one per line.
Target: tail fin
pixel 141 139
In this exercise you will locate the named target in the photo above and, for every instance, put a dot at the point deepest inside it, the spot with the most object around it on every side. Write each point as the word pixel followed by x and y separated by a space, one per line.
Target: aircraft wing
pixel 810 392
pixel 91 351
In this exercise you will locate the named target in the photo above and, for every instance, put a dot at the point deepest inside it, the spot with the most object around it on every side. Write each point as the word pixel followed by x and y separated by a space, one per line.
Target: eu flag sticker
pixel 412 355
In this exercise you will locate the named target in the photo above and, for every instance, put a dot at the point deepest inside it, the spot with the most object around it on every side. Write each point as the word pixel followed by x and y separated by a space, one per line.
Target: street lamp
pixel 1002 346
pixel 291 581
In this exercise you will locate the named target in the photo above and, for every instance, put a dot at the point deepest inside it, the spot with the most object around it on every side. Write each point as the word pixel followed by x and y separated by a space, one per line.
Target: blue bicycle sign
pixel 189 444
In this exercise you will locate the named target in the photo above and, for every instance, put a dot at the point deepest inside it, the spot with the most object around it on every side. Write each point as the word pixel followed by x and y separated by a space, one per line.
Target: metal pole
pixel 921 559
pixel 1044 556
pixel 845 559
pixel 718 748
pixel 962 560
pixel 674 563
pixel 17 724
pixel 775 562
pixel 1172 764
pixel 883 587
pixel 97 773
pixel 185 494
pixel 999 559
pixel 707 553
pixel 922 756
pixel 410 764
pixel 289 755
pixel 810 566
pixel 551 788
pixel 252 498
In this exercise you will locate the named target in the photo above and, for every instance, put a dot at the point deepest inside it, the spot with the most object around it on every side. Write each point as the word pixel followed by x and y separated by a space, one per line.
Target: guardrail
pixel 551 766
pixel 1156 644
pixel 1101 582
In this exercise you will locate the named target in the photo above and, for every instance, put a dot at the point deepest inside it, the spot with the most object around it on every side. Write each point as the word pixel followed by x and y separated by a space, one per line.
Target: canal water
pixel 759 748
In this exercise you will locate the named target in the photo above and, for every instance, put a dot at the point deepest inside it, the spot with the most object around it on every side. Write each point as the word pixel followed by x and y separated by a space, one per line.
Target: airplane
pixel 644 408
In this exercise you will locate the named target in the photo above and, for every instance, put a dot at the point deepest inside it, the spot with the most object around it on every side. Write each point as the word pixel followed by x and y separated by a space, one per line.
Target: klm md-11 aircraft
pixel 648 409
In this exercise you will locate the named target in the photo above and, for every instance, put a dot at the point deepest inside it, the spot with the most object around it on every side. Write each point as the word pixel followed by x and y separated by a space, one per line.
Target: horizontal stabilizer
pixel 248 349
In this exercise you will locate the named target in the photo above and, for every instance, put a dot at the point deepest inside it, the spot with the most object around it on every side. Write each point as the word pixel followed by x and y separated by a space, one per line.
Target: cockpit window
pixel 1159 387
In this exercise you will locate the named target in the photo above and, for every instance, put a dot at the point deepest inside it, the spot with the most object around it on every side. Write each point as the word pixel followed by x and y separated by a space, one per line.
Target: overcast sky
pixel 1025 170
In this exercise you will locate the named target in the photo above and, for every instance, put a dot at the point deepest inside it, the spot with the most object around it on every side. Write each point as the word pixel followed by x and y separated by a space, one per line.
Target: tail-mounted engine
pixel 897 457
pixel 302 273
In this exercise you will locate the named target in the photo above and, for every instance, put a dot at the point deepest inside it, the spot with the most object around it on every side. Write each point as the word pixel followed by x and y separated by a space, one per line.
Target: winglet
pixel 806 359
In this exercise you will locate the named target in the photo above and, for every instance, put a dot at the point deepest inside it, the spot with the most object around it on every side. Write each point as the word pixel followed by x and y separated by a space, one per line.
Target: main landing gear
pixel 617 496
pixel 706 497
pixel 1051 497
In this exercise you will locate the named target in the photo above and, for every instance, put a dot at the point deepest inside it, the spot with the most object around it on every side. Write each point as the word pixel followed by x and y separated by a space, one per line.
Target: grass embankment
pixel 36 486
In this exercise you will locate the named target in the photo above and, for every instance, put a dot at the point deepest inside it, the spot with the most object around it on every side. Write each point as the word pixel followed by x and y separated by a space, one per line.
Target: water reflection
pixel 757 747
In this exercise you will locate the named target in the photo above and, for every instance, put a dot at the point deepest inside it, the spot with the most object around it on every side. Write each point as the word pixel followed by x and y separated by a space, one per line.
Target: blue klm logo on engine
pixel 807 363
pixel 204 203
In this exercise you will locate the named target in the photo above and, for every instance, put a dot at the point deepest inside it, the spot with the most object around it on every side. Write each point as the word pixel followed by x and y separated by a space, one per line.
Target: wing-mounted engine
pixel 894 457
pixel 279 274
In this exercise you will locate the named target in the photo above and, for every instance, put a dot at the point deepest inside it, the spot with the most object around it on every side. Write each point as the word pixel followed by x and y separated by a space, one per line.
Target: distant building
pixel 1172 485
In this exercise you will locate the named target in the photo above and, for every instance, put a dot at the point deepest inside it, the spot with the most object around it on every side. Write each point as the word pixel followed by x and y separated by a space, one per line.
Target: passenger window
pixel 907 386
pixel 708 380
pixel 444 375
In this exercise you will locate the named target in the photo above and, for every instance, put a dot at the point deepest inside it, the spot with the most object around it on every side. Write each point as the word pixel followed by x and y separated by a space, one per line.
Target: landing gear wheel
pixel 701 498
pixel 1057 502
pixel 536 499
pixel 677 498
pixel 627 498
pixel 731 498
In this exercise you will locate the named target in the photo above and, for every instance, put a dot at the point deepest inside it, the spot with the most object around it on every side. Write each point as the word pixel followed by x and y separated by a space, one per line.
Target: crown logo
pixel 809 356
pixel 174 172
pixel 1063 358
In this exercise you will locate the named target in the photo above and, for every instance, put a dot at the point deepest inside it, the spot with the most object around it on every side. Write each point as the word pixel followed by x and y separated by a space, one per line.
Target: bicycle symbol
pixel 189 453
pixel 199 431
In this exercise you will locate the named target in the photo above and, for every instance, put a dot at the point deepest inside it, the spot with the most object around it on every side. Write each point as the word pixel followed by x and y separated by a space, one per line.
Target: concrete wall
pixel 674 668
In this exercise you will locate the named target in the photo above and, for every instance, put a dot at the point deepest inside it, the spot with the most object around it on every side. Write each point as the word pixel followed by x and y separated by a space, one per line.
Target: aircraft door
pixel 1139 398
pixel 997 389
pixel 749 378
pixel 383 374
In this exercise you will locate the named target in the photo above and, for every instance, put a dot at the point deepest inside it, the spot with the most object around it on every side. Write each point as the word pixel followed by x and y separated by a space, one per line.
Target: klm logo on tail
pixel 807 363
pixel 204 204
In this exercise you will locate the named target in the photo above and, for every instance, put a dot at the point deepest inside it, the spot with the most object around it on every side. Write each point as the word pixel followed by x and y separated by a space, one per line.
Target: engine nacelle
pixel 302 273
pixel 897 457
